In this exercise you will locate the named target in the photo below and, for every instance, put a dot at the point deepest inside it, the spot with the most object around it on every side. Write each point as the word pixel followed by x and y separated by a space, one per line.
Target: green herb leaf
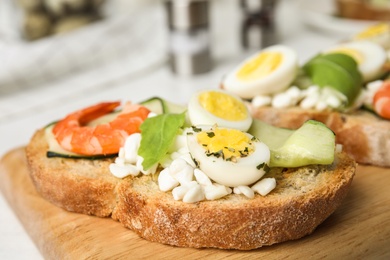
pixel 158 133
pixel 210 134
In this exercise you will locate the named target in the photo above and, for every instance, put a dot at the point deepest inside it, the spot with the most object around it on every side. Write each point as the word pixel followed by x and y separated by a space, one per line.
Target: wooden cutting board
pixel 360 228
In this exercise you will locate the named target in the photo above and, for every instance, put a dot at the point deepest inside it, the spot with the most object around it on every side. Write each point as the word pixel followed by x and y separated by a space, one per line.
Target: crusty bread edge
pixel 140 206
pixel 63 183
pixel 222 224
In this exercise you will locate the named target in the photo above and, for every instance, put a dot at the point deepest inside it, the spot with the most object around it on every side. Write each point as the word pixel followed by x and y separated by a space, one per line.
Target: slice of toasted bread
pixel 364 136
pixel 304 198
pixel 82 186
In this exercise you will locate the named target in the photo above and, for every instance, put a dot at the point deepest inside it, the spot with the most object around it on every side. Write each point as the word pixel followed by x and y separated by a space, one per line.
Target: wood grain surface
pixel 359 229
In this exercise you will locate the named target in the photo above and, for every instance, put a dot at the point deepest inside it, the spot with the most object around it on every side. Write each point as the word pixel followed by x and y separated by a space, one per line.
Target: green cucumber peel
pixel 312 143
pixel 274 137
pixel 157 136
pixel 53 154
pixel 161 106
pixel 338 71
pixel 154 104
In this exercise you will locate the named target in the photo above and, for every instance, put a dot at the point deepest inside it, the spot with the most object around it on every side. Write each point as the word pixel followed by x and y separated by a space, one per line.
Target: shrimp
pixel 381 100
pixel 75 135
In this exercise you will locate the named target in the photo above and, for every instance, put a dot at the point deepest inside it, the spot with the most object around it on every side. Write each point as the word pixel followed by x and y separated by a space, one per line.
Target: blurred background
pixel 43 41
pixel 66 49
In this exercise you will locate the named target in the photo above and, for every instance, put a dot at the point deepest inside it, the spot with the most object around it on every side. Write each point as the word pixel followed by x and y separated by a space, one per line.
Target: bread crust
pixel 364 136
pixel 82 186
pixel 304 198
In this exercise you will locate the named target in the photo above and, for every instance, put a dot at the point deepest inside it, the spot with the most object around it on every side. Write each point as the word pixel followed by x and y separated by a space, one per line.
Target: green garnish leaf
pixel 196 129
pixel 210 134
pixel 158 134
pixel 260 166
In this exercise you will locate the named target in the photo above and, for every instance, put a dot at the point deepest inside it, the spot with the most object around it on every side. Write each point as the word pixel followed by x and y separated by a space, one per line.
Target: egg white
pixel 374 57
pixel 378 33
pixel 231 174
pixel 200 116
pixel 277 81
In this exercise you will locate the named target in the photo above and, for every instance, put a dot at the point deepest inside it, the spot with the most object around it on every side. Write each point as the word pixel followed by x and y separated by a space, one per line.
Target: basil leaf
pixel 157 135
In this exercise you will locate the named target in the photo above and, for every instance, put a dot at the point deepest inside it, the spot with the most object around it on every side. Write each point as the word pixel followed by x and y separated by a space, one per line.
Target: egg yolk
pixel 228 144
pixel 223 106
pixel 260 66
pixel 355 54
pixel 373 31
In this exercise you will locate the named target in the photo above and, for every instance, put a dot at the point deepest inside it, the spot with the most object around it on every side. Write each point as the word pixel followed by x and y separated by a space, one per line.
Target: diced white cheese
pixel 294 93
pixel 188 158
pixel 177 165
pixel 236 190
pixel 264 186
pixel 120 161
pixel 216 191
pixel 194 194
pixel 179 143
pixel 139 166
pixel 261 101
pixel 202 178
pixel 310 101
pixel 321 105
pixel 248 192
pixel 333 101
pixel 131 146
pixel 165 181
pixel 281 100
pixel 179 192
pixel 185 175
pixel 121 171
pixel 166 161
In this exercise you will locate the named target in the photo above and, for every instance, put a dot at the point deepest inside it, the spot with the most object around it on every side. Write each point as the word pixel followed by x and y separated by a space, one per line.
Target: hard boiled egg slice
pixel 378 33
pixel 369 56
pixel 267 72
pixel 219 107
pixel 228 156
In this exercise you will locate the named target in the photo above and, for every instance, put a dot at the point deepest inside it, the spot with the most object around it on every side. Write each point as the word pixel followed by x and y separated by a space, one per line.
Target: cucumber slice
pixel 55 150
pixel 312 143
pixel 274 137
pixel 161 106
pixel 51 154
pixel 173 108
pixel 154 104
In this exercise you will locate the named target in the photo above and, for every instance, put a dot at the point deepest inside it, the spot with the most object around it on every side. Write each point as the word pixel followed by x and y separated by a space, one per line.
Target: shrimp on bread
pixel 74 134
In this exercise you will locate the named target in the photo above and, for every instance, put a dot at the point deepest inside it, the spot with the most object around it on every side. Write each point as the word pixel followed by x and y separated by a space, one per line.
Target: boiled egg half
pixel 369 56
pixel 267 72
pixel 210 107
pixel 378 33
pixel 228 156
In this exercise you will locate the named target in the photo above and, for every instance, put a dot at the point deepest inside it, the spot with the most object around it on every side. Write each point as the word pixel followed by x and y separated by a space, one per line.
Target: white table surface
pixel 25 111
